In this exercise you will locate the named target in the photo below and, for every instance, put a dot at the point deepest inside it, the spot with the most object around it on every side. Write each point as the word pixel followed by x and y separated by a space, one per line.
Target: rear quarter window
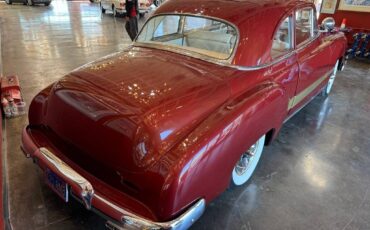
pixel 206 36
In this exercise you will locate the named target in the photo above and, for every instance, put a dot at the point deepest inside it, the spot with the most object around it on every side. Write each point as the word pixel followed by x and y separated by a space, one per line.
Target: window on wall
pixel 304 26
pixel 282 39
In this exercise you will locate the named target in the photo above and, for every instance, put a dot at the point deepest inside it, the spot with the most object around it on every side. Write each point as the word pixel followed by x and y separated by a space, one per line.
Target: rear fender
pixel 202 163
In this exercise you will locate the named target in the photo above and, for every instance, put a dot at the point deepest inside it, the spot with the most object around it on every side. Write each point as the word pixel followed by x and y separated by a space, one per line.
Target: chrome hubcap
pixel 245 160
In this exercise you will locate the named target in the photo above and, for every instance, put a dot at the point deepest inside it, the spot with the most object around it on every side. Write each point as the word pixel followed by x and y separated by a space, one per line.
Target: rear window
pixel 202 35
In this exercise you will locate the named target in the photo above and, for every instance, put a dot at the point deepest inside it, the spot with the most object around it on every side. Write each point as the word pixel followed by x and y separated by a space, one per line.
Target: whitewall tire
pixel 247 163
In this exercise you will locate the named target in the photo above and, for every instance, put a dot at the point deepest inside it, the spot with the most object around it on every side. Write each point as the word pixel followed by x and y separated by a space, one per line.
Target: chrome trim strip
pixel 300 108
pixel 87 191
pixel 277 60
pixel 304 93
pixel 221 63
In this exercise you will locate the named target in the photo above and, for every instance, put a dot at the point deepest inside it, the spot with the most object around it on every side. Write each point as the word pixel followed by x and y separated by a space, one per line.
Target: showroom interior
pixel 185 114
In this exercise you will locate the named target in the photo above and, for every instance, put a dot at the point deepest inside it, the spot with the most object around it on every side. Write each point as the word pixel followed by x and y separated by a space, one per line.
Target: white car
pixel 118 6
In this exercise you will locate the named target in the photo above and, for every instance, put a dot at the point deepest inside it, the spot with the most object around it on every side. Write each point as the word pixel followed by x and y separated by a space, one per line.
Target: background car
pixel 33 2
pixel 118 6
pixel 16 1
pixel 29 2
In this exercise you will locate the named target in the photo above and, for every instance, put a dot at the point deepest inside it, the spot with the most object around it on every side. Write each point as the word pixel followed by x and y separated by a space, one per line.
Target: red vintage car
pixel 150 135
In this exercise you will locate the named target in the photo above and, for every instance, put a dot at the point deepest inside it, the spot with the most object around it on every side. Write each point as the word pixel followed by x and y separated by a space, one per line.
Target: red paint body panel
pixel 154 131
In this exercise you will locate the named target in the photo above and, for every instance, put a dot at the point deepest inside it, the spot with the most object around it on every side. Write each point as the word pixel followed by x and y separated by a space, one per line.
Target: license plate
pixel 57 184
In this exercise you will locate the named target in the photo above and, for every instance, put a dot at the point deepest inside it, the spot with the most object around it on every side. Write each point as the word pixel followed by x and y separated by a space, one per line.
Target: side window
pixel 282 39
pixel 304 28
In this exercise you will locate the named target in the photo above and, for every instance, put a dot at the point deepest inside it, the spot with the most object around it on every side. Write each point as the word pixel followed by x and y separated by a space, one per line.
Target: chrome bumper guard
pixel 129 220
pixel 85 187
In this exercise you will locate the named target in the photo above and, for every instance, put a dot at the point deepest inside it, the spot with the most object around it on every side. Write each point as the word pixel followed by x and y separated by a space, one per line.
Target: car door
pixel 285 68
pixel 312 58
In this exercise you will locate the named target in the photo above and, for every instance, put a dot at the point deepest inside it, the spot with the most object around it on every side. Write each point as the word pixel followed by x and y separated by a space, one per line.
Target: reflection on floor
pixel 314 176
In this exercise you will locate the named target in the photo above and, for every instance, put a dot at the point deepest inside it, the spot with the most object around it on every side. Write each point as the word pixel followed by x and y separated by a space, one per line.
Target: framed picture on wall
pixel 328 6
pixel 355 5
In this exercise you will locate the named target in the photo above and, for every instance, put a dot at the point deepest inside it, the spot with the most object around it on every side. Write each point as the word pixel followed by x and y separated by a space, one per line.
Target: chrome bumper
pixel 129 220
pixel 183 222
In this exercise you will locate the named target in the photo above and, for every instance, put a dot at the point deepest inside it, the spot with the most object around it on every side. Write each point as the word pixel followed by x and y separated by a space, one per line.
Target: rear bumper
pixel 83 189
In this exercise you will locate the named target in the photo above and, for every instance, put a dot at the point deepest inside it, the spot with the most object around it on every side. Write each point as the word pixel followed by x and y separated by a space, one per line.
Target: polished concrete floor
pixel 316 175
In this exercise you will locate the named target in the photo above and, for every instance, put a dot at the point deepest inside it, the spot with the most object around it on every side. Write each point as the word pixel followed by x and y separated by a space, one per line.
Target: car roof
pixel 256 21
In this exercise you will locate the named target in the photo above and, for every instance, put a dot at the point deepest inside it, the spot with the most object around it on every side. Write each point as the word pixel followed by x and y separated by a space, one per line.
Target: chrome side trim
pixel 87 191
pixel 304 93
pixel 267 65
pixel 220 62
pixel 300 108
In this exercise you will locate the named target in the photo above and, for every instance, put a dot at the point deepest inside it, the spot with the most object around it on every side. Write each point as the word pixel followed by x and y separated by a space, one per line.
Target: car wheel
pixel 9 2
pixel 102 9
pixel 30 2
pixel 247 163
pixel 327 89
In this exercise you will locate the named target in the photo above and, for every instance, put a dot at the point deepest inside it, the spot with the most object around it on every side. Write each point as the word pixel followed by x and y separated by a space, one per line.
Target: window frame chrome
pixel 178 49
pixel 228 63
pixel 291 35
